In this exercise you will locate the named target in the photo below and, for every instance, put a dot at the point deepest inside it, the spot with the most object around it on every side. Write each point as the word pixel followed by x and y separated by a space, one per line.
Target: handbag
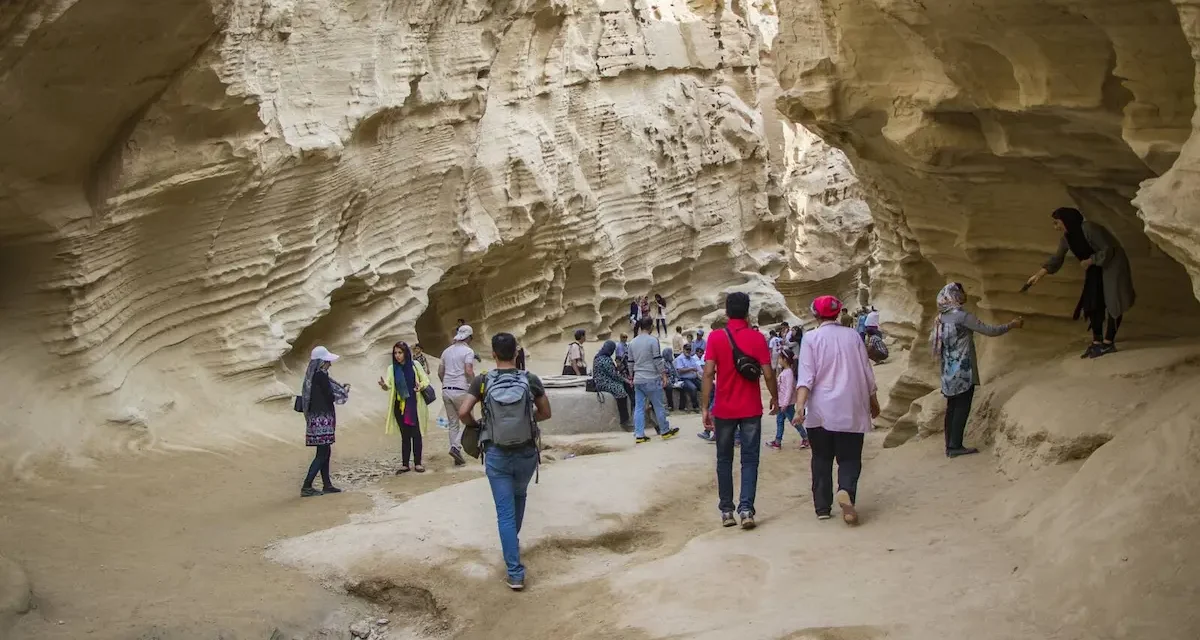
pixel 428 394
pixel 747 367
pixel 470 440
pixel 298 404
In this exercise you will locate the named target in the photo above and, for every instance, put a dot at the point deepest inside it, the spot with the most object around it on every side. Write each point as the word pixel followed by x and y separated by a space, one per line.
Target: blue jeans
pixel 784 417
pixel 653 392
pixel 509 473
pixel 749 432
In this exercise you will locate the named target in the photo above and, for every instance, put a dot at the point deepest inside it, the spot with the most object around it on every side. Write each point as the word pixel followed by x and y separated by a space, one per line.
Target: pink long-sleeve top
pixel 835 368
pixel 787 387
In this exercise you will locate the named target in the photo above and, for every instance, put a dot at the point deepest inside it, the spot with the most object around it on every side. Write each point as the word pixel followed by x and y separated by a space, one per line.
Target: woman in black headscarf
pixel 1108 280
pixel 607 380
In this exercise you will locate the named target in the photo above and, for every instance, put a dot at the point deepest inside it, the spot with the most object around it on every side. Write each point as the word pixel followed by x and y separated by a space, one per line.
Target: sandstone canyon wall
pixel 967 124
pixel 194 193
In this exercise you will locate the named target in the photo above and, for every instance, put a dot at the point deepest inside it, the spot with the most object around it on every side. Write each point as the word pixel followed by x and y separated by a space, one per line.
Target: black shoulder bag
pixel 747 367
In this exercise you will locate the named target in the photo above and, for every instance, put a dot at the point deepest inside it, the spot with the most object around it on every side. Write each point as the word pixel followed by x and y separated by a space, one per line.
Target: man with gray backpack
pixel 513 403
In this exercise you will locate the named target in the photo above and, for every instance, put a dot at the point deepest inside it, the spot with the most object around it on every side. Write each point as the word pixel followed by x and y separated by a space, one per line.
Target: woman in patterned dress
pixel 953 341
pixel 320 395
pixel 607 380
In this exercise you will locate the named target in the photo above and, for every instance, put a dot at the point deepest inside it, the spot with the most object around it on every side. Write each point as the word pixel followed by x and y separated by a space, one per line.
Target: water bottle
pixel 442 423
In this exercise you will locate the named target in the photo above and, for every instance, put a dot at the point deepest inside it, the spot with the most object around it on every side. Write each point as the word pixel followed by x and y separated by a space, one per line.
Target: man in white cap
pixel 456 372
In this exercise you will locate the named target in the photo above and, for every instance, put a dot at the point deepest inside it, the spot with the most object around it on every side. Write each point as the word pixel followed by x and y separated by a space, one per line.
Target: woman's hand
pixel 1086 263
pixel 1035 278
pixel 1017 323
pixel 382 384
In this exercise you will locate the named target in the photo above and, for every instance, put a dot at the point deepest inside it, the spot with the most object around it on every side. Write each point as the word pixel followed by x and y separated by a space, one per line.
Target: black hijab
pixel 1073 221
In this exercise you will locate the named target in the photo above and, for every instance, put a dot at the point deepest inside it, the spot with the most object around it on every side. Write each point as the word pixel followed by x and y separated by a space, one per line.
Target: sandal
pixel 419 469
pixel 404 469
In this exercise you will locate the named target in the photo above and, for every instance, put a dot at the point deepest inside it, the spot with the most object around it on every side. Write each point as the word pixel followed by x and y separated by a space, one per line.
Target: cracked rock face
pixel 195 193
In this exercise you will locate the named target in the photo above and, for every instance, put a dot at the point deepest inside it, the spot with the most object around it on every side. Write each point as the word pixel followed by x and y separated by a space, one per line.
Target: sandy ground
pixel 621 542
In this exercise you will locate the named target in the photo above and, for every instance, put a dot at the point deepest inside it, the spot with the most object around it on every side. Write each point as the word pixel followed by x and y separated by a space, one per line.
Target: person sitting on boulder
pixel 953 342
pixel 1107 281
pixel 607 380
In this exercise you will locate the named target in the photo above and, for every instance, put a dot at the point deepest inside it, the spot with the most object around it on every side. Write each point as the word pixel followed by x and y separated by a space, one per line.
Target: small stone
pixel 381 621
pixel 360 629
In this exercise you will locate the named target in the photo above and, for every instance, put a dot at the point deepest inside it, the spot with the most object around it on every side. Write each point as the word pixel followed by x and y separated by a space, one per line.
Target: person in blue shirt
pixel 689 368
pixel 698 343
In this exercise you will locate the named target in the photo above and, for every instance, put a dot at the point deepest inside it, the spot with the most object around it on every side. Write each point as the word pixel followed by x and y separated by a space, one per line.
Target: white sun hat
pixel 463 333
pixel 321 353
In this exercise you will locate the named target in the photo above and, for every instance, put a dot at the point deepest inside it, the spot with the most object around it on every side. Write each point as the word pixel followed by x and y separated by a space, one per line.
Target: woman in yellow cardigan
pixel 409 415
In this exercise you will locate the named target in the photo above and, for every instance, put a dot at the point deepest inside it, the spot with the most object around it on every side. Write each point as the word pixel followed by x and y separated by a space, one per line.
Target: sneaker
pixel 705 435
pixel 804 444
pixel 727 519
pixel 747 520
pixel 1093 351
pixel 964 451
pixel 670 434
pixel 308 492
pixel 849 513
pixel 516 584
pixel 1106 349
pixel 774 444
pixel 823 516
pixel 458 457
pixel 641 440
pixel 331 489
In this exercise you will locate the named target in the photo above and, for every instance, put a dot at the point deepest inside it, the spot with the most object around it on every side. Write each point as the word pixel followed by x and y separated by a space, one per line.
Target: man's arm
pixel 772 388
pixel 464 412
pixel 542 403
pixel 469 367
pixel 706 387
pixel 441 371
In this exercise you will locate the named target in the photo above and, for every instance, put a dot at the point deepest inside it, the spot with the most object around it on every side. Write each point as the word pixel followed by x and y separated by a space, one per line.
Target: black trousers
pixel 319 464
pixel 1098 332
pixel 660 324
pixel 623 409
pixel 410 438
pixel 958 409
pixel 828 446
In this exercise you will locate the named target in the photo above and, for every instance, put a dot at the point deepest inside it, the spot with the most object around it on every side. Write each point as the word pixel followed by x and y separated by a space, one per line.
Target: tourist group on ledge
pixel 820 382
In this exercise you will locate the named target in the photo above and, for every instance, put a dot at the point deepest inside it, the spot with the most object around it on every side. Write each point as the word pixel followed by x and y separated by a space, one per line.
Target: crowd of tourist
pixel 820 381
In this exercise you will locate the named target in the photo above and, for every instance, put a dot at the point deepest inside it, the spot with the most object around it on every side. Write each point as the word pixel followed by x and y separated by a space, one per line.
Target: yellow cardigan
pixel 393 427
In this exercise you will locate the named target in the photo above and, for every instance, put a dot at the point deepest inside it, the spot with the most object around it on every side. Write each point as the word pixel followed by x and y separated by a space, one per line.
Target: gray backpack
pixel 508 410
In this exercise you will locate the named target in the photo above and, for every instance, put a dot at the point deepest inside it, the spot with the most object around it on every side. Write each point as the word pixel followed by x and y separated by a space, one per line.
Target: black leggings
pixel 410 438
pixel 958 409
pixel 660 324
pixel 1097 324
pixel 623 409
pixel 320 464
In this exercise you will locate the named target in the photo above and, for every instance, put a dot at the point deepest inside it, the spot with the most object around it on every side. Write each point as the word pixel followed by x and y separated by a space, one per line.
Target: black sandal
pixel 404 469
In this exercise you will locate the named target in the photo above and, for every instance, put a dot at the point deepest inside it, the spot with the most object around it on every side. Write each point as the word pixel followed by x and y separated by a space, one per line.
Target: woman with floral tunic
pixel 320 394
pixel 953 342
pixel 607 380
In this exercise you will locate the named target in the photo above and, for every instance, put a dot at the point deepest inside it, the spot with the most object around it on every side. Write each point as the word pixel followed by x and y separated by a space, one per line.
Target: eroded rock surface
pixel 196 193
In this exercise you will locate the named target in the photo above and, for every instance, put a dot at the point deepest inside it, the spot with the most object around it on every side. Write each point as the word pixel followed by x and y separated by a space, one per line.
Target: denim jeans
pixel 690 391
pixel 652 392
pixel 749 432
pixel 509 473
pixel 783 418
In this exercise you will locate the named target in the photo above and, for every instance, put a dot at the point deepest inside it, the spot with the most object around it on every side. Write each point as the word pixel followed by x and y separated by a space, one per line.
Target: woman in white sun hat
pixel 319 396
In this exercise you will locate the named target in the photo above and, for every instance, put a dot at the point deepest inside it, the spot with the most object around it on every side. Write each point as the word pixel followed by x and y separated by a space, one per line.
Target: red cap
pixel 826 307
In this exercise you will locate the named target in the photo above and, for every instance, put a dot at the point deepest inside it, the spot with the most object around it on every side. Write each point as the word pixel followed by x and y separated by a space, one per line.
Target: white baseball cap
pixel 463 333
pixel 321 353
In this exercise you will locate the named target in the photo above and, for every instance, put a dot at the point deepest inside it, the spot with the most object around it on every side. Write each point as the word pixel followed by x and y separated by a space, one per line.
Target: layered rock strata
pixel 195 193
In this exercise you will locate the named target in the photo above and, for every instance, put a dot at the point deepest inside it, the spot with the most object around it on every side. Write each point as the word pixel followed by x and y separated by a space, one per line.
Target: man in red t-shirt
pixel 738 406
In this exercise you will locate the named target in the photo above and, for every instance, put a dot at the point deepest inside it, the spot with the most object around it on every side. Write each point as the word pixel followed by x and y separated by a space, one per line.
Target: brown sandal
pixel 404 469
pixel 419 469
